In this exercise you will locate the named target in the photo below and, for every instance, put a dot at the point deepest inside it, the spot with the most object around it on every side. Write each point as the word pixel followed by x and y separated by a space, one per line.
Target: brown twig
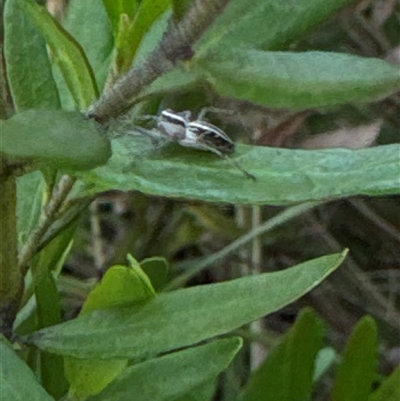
pixel 175 46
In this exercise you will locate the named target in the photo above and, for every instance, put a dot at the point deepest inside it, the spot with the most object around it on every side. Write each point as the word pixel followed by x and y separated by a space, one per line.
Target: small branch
pixel 98 248
pixel 355 285
pixel 176 45
pixel 6 103
pixel 68 216
pixel 60 193
pixel 257 352
pixel 192 268
pixel 11 282
pixel 374 217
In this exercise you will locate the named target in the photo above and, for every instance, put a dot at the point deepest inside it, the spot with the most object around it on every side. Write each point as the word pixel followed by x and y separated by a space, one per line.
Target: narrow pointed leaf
pixel 287 373
pixel 32 84
pixel 359 363
pixel 183 317
pixel 283 176
pixel 299 80
pixel 173 375
pixel 68 54
pixel 89 25
pixel 115 8
pixel 133 30
pixel 49 313
pixel 268 24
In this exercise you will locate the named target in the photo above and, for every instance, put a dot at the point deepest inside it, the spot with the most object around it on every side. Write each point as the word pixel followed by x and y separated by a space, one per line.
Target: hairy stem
pixel 50 214
pixel 176 45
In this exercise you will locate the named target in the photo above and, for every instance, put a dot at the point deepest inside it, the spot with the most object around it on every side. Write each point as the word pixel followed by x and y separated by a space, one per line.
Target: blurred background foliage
pixel 181 231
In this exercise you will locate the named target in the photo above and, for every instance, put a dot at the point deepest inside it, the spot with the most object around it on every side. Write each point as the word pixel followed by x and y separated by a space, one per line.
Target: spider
pixel 198 134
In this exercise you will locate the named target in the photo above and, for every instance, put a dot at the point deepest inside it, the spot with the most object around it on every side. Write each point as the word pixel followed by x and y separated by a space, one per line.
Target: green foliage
pixel 190 368
pixel 115 8
pixel 287 373
pixel 96 39
pixel 70 143
pixel 266 25
pixel 69 56
pixel 132 30
pixel 319 174
pixel 185 317
pixel 358 366
pixel 298 80
pixel 24 43
pixel 389 390
pixel 128 340
pixel 13 372
pixel 156 269
pixel 120 285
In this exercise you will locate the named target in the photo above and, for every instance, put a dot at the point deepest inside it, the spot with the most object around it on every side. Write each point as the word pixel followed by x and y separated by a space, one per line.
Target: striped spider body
pixel 197 134
pixel 209 137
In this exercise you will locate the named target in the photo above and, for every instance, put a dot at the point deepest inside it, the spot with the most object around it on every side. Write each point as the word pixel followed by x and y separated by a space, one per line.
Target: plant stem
pixel 176 45
pixel 10 274
pixel 51 211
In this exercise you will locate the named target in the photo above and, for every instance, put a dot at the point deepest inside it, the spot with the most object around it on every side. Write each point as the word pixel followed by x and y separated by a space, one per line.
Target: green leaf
pixel 115 8
pixel 283 176
pixel 89 25
pixel 50 259
pixel 177 80
pixel 152 38
pixel 298 80
pixel 156 268
pixel 120 285
pixel 173 375
pixel 359 362
pixel 268 24
pixel 389 389
pixel 17 381
pixel 287 373
pixel 90 376
pixel 184 317
pixel 133 30
pixel 31 84
pixel 48 310
pixel 49 313
pixel 68 54
pixel 203 392
pixel 48 302
pixel 63 139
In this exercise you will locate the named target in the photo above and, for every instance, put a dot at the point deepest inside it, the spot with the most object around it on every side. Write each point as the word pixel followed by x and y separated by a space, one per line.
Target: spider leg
pixel 233 162
pixel 155 136
pixel 239 167
pixel 211 109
